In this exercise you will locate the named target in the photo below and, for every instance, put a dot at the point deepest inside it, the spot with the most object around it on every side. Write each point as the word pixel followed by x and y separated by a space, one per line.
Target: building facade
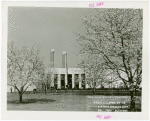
pixel 72 78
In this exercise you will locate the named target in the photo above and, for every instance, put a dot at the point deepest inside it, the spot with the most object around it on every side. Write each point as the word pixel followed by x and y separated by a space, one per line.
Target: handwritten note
pixel 105 117
pixel 96 4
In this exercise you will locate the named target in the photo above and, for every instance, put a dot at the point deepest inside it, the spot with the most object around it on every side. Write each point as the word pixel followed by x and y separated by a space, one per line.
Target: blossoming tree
pixel 23 65
pixel 116 36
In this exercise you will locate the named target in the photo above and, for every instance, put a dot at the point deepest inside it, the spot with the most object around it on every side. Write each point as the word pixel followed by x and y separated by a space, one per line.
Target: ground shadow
pixel 28 101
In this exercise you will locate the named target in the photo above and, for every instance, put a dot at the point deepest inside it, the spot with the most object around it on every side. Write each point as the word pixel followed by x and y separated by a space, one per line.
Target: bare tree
pixel 22 66
pixel 116 35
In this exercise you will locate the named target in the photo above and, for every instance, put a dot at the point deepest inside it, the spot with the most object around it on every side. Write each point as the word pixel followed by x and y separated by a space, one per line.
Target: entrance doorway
pixel 62 81
pixel 83 81
pixel 70 81
pixel 55 81
pixel 76 77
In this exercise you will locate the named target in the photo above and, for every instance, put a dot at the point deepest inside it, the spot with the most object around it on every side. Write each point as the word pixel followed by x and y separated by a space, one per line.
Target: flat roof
pixel 66 70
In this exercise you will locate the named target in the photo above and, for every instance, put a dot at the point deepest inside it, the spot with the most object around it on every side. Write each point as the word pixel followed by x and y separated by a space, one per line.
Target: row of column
pixel 66 82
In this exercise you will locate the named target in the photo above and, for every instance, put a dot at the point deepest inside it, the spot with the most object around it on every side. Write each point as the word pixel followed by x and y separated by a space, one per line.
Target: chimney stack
pixel 52 57
pixel 64 59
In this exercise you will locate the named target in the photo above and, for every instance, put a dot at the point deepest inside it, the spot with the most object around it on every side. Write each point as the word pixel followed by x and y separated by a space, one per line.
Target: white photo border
pixel 59 115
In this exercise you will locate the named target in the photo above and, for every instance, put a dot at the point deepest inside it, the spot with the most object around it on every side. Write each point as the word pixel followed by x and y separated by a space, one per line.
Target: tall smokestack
pixel 52 57
pixel 64 60
pixel 64 65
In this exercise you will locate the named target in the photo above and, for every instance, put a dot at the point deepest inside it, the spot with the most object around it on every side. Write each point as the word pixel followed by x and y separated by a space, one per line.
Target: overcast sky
pixel 51 28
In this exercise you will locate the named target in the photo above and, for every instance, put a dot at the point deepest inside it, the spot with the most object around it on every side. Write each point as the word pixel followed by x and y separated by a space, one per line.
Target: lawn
pixel 64 102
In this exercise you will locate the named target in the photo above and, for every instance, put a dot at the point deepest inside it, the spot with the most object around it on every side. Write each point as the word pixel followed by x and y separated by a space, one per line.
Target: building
pixel 72 78
pixel 66 77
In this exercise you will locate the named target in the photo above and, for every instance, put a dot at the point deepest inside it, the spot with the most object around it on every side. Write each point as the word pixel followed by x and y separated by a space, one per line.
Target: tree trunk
pixel 11 89
pixel 132 103
pixel 45 88
pixel 20 97
pixel 93 91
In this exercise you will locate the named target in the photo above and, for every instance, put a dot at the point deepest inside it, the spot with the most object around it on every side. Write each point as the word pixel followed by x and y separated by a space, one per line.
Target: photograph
pixel 74 59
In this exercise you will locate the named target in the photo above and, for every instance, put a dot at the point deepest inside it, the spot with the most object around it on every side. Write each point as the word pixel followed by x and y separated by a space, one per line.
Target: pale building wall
pixel 66 71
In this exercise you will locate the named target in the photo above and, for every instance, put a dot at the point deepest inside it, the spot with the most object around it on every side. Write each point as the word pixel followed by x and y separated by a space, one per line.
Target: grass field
pixel 63 102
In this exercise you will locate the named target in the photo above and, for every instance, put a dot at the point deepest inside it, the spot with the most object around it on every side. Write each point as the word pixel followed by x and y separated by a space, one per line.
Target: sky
pixel 51 28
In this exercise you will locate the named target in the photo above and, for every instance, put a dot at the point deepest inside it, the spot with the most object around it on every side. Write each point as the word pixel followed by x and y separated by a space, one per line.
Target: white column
pixel 86 81
pixel 80 81
pixel 66 80
pixel 72 80
pixel 59 81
